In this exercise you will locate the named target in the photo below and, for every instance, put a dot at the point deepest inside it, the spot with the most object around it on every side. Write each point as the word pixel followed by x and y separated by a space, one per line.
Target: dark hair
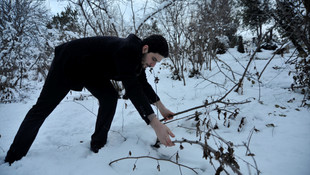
pixel 157 44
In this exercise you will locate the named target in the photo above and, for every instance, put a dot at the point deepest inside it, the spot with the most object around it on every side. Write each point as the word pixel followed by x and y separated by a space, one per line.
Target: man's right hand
pixel 163 132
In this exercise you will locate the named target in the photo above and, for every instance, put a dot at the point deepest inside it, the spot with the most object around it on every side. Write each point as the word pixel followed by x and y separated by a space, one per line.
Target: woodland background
pixel 241 67
pixel 196 30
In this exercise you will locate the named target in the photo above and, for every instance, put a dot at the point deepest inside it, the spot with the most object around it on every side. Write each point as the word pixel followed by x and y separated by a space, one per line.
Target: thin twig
pixel 111 20
pixel 251 59
pixel 191 115
pixel 274 54
pixel 84 107
pixel 249 141
pixel 217 84
pixel 213 102
pixel 154 158
pixel 2 149
pixel 249 164
pixel 80 4
pixel 205 146
pixel 248 149
pixel 96 115
pixel 133 16
pixel 288 60
pixel 214 135
pixel 236 59
pixel 152 14
pixel 232 73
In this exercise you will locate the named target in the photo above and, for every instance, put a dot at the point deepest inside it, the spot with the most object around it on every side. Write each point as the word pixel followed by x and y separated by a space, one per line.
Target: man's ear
pixel 145 49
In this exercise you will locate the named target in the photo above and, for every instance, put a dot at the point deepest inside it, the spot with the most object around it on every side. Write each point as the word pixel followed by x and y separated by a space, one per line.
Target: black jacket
pixel 86 61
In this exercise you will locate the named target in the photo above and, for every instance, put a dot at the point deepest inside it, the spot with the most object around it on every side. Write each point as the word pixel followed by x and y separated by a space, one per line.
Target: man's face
pixel 150 59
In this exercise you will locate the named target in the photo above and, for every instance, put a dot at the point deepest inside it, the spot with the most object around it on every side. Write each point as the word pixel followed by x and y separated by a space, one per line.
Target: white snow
pixel 280 143
pixel 281 146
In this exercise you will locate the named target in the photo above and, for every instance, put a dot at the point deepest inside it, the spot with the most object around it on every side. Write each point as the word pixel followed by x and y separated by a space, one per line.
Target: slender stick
pixel 188 116
pixel 274 54
pixel 252 58
pixel 204 105
pixel 149 157
pixel 205 146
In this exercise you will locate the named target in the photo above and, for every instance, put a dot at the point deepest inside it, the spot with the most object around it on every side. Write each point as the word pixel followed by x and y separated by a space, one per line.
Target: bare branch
pixel 252 58
pixel 109 16
pixel 80 4
pixel 274 54
pixel 133 16
pixel 188 116
pixel 167 4
pixel 220 100
pixel 210 149
pixel 157 159
pixel 94 14
pixel 232 72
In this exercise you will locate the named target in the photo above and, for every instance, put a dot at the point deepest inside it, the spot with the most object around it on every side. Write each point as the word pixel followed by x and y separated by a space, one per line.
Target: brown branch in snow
pixel 220 100
pixel 274 54
pixel 154 158
pixel 217 155
pixel 230 69
pixel 188 116
pixel 240 84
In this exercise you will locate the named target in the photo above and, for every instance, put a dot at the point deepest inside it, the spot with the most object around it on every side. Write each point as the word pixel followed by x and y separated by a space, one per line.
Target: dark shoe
pixel 94 147
pixel 11 158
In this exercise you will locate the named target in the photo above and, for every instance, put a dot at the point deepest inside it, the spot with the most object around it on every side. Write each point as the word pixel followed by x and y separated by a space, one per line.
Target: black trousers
pixel 51 95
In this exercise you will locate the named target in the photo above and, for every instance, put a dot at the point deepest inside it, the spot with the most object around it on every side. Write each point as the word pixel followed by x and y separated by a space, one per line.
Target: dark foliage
pixel 240 45
pixel 293 18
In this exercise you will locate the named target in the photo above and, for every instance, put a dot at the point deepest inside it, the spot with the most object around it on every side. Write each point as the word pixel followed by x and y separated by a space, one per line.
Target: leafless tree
pixel 174 22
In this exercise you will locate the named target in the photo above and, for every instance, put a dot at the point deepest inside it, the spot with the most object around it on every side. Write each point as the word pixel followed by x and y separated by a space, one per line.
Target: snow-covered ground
pixel 280 141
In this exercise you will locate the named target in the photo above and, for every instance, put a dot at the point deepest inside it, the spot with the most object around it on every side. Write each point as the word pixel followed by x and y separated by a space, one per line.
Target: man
pixel 92 63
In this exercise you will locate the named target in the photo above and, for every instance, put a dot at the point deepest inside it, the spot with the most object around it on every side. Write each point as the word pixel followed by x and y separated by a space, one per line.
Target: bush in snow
pixel 240 45
pixel 21 40
pixel 302 78
pixel 293 21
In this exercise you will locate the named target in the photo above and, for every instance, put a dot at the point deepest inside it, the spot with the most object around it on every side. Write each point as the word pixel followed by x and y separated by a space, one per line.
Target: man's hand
pixel 163 132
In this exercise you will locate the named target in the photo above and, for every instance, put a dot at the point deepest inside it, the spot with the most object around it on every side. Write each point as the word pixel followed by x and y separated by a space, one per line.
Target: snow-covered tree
pixel 212 30
pixel 22 37
pixel 100 17
pixel 65 26
pixel 174 23
pixel 255 13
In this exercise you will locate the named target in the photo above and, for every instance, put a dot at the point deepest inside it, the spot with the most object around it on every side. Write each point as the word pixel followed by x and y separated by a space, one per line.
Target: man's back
pixel 88 60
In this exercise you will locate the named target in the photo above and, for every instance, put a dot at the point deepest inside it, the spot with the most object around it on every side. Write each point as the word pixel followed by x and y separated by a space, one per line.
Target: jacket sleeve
pixel 135 93
pixel 128 63
pixel 147 88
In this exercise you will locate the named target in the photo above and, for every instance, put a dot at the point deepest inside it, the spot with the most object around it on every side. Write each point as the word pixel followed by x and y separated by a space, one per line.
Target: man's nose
pixel 153 64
